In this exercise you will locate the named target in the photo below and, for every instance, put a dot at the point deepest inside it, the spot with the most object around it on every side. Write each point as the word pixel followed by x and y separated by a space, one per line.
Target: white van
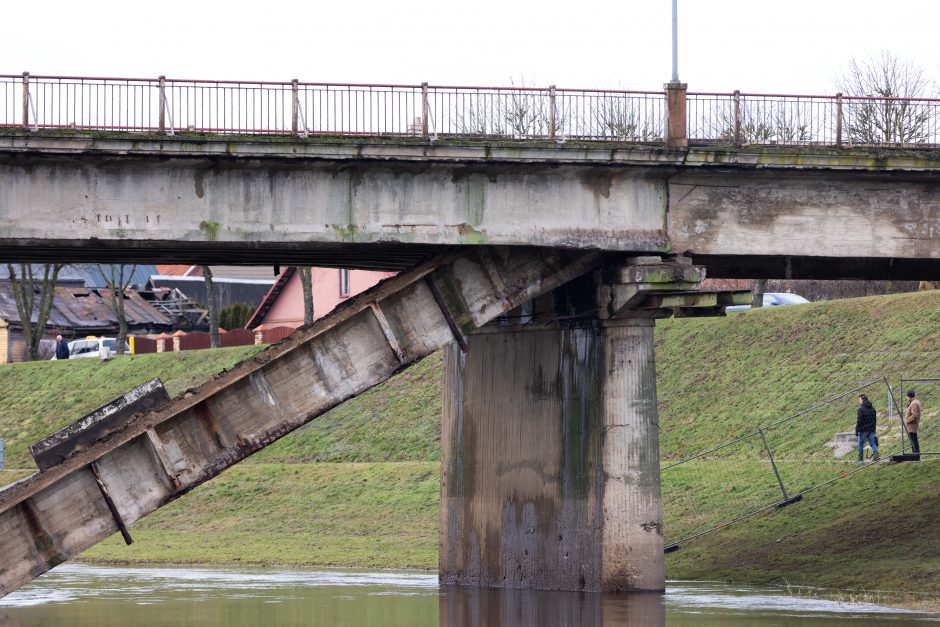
pixel 92 347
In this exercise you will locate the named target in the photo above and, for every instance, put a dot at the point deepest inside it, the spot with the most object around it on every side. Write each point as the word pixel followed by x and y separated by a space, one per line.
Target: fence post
pixel 424 110
pixel 162 98
pixel 773 464
pixel 737 118
pixel 839 120
pixel 551 112
pixel 26 100
pixel 676 128
pixel 294 94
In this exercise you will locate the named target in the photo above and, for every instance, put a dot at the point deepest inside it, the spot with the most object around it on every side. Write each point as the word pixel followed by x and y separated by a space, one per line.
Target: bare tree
pixel 760 121
pixel 618 117
pixel 34 315
pixel 889 115
pixel 306 283
pixel 117 278
pixel 214 341
pixel 522 113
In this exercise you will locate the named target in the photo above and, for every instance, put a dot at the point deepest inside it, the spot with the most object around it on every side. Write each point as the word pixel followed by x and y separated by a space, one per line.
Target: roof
pixel 86 309
pixel 91 273
pixel 227 291
pixel 87 274
pixel 265 273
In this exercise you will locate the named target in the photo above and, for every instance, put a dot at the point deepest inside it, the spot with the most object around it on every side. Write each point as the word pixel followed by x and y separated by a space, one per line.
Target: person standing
pixel 912 420
pixel 865 422
pixel 61 348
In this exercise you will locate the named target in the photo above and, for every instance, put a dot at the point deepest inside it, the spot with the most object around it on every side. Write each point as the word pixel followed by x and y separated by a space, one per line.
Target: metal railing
pixel 428 112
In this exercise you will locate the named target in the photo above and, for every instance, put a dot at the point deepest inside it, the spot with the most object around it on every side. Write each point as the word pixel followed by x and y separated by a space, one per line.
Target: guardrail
pixel 431 111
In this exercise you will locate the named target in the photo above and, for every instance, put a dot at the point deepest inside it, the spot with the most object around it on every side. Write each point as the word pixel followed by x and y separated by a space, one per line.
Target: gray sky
pixel 791 46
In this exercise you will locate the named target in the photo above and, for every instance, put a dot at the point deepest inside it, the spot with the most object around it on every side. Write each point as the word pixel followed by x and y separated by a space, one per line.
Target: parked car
pixel 92 347
pixel 774 299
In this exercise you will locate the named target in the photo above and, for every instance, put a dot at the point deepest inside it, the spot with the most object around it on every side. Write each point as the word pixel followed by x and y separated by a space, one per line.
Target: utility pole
pixel 675 42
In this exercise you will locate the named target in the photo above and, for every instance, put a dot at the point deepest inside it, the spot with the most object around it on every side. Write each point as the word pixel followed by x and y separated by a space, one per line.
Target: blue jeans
pixel 870 436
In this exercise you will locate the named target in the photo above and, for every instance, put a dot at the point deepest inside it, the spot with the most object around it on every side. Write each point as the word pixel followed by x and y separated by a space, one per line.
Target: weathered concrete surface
pixel 263 200
pixel 282 199
pixel 97 424
pixel 158 456
pixel 550 459
pixel 823 215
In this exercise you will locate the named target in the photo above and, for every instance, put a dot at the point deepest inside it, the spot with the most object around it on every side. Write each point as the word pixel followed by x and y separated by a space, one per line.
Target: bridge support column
pixel 550 459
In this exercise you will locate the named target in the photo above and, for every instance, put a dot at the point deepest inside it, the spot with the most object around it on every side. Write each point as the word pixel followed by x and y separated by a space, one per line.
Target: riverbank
pixel 359 486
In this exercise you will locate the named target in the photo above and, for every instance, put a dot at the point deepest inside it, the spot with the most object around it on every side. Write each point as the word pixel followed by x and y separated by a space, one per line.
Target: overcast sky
pixel 792 46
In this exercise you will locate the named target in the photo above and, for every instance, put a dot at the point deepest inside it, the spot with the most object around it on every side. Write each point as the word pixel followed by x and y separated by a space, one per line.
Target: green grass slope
pixel 41 397
pixel 376 503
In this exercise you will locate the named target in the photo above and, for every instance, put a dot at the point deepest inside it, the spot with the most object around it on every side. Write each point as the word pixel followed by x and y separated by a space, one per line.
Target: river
pixel 76 595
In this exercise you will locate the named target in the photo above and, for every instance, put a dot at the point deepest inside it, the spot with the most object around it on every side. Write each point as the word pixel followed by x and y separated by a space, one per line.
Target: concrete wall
pixel 550 459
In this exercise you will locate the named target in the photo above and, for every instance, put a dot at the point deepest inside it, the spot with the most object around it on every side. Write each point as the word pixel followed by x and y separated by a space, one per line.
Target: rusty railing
pixel 428 112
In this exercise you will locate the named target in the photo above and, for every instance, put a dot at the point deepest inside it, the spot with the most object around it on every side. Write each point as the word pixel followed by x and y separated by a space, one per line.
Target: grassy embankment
pixel 375 503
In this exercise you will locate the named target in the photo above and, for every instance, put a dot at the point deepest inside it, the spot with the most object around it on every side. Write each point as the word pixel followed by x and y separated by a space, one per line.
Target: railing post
pixel 294 95
pixel 737 118
pixel 551 112
pixel 676 115
pixel 424 110
pixel 26 100
pixel 161 97
pixel 839 120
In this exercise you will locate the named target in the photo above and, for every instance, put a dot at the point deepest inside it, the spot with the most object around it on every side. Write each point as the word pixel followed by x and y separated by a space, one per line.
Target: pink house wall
pixel 288 308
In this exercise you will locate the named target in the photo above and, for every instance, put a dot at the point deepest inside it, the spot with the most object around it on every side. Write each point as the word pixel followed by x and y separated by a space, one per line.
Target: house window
pixel 344 283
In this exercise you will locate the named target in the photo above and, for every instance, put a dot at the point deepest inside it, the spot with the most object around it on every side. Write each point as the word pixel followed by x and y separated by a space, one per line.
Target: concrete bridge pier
pixel 550 463
pixel 550 444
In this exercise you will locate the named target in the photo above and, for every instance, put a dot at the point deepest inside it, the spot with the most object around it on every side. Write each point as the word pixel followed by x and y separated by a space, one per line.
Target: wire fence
pixel 776 464
pixel 430 112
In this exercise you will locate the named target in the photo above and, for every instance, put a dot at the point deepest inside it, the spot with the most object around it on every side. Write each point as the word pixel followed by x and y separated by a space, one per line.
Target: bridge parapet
pixel 673 116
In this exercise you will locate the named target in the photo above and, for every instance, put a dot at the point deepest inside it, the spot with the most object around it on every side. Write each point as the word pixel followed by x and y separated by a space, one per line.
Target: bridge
pixel 539 233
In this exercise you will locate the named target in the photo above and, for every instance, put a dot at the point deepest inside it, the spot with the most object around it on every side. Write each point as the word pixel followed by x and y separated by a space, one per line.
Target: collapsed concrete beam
pixel 97 424
pixel 157 457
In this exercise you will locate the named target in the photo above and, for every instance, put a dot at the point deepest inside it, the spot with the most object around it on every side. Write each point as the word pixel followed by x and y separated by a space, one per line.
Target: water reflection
pixel 80 596
pixel 467 607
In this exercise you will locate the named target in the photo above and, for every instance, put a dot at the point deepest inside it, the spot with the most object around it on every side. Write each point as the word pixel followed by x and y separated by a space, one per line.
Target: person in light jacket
pixel 865 422
pixel 912 420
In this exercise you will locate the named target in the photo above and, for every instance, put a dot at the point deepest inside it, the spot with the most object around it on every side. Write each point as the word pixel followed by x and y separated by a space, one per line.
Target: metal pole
pixel 839 120
pixel 551 112
pixel 737 118
pixel 294 93
pixel 786 497
pixel 675 43
pixel 162 98
pixel 900 416
pixel 424 110
pixel 26 99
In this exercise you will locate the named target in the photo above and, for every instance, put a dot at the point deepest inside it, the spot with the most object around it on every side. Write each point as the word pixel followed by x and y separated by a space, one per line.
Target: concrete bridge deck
pixel 389 202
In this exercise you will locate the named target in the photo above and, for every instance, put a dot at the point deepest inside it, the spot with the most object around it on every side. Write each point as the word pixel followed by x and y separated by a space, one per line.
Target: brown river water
pixel 76 595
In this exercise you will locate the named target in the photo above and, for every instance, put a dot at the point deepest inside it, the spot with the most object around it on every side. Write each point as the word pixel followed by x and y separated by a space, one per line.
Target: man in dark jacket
pixel 61 348
pixel 866 419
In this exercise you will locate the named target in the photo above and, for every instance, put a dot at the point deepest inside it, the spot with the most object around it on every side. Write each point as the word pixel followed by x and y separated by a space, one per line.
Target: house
pixel 283 306
pixel 76 312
